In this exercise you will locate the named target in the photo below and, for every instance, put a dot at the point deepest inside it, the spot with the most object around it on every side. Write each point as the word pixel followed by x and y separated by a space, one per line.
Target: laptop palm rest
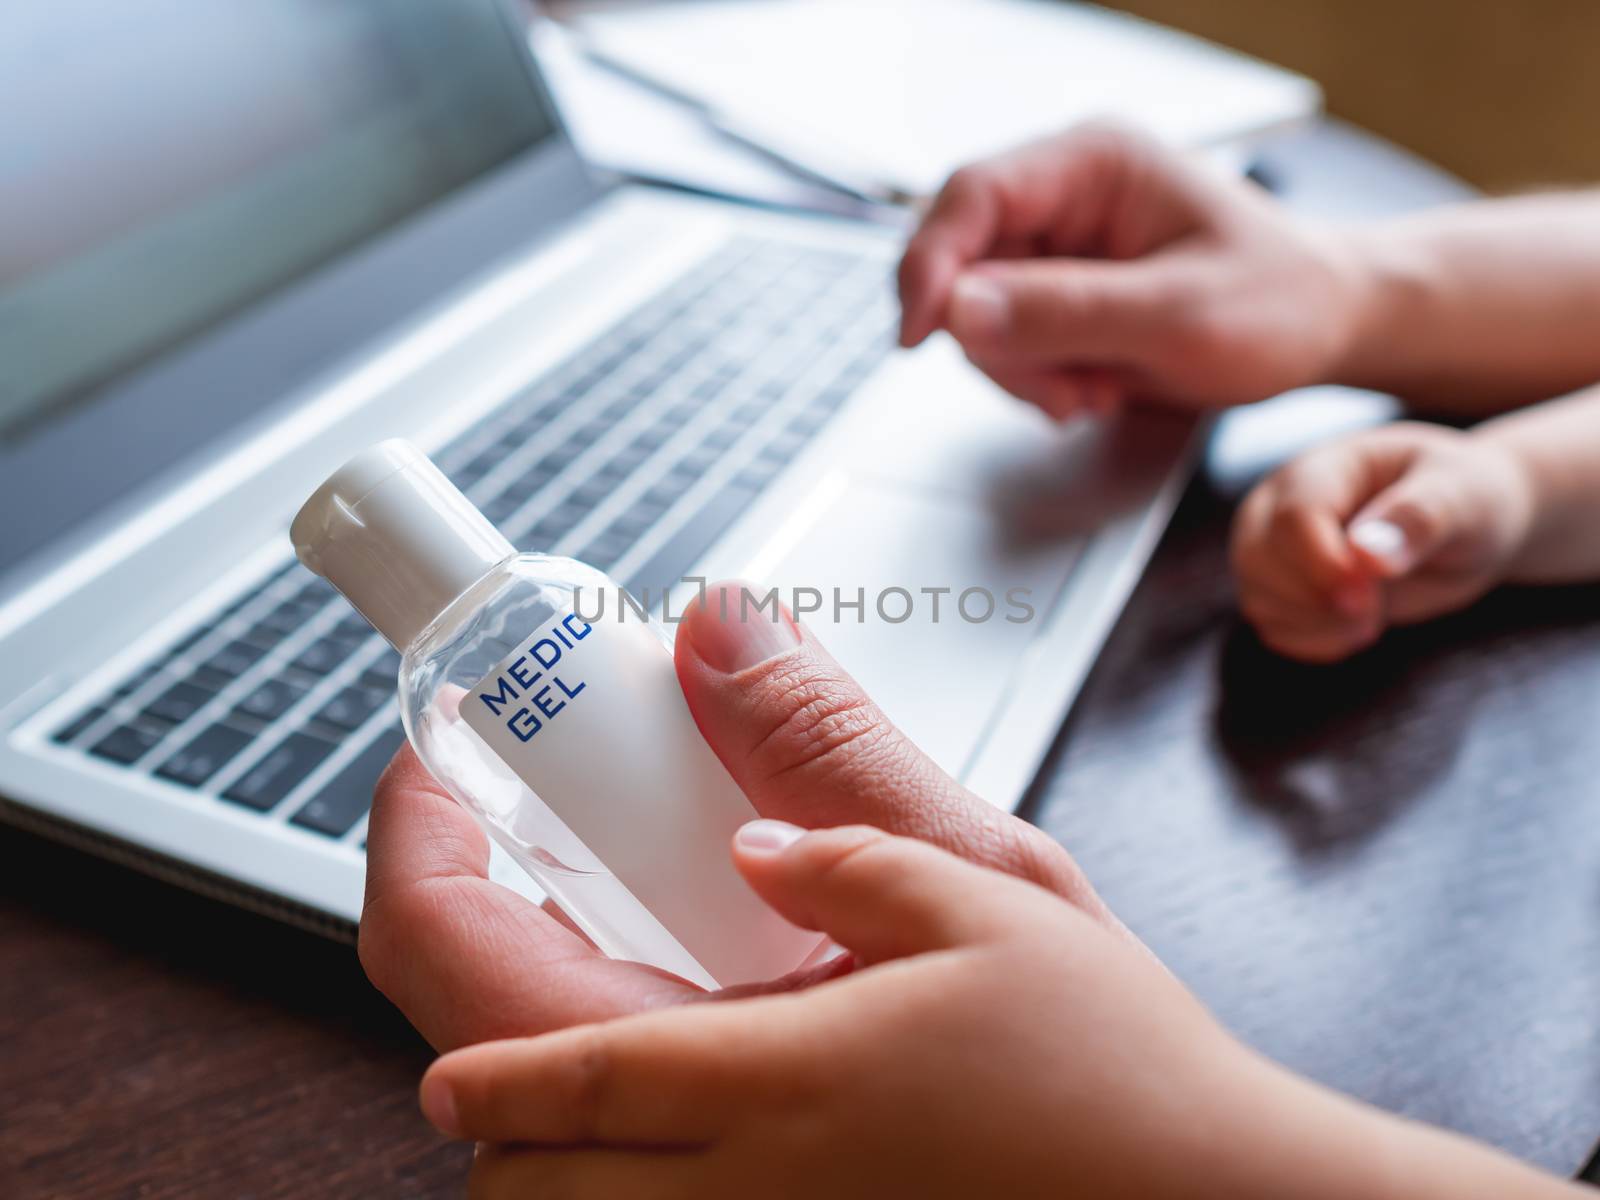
pixel 924 598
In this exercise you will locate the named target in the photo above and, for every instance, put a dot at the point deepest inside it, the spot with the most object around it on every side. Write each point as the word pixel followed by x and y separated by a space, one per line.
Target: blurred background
pixel 1505 95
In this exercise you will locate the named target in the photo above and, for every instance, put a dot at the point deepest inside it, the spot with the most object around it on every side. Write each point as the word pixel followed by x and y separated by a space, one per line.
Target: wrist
pixel 1326 1146
pixel 1536 496
pixel 1394 285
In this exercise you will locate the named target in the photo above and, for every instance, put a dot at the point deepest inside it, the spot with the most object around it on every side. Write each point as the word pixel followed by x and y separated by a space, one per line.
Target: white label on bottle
pixel 592 719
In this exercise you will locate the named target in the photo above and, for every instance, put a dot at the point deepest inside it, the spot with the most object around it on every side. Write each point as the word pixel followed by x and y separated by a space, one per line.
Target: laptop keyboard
pixel 634 455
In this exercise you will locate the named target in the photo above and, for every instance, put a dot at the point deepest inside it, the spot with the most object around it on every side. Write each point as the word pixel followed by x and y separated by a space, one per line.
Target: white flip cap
pixel 397 538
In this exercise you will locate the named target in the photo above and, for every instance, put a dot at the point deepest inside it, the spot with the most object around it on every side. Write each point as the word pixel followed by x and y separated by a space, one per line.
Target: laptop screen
pixel 164 164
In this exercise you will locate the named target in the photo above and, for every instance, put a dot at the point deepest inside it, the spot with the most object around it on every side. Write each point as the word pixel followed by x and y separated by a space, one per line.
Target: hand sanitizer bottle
pixel 568 740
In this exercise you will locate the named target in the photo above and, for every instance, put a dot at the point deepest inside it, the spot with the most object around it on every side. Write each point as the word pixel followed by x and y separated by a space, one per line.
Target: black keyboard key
pixel 630 525
pixel 625 461
pixel 271 700
pixel 126 744
pixel 204 755
pixel 806 423
pixel 352 627
pixel 830 400
pixel 758 473
pixel 134 682
pixel 384 672
pixel 591 492
pixel 188 640
pixel 668 564
pixel 322 655
pixel 233 660
pixel 502 506
pixel 559 521
pixel 604 551
pixel 749 412
pixel 544 414
pixel 650 439
pixel 179 702
pixel 530 481
pixel 315 592
pixel 665 494
pixel 288 616
pixel 482 465
pixel 610 474
pixel 783 446
pixel 697 460
pixel 278 772
pixel 345 797
pixel 78 725
pixel 350 709
pixel 265 634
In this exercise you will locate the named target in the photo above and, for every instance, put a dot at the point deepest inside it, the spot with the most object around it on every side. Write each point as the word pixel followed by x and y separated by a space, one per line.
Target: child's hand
pixel 1386 528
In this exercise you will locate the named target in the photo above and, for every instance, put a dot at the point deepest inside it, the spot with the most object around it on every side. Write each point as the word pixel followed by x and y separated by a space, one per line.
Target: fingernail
pixel 978 306
pixel 439 1105
pixel 766 836
pixel 1383 540
pixel 732 632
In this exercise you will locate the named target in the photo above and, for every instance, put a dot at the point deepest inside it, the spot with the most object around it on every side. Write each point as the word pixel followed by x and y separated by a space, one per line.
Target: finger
pixel 1262 604
pixel 1062 189
pixel 1059 394
pixel 1302 511
pixel 1323 646
pixel 1286 548
pixel 879 896
pixel 807 746
pixel 1067 311
pixel 668 1079
pixel 454 951
pixel 1408 522
pixel 528 1173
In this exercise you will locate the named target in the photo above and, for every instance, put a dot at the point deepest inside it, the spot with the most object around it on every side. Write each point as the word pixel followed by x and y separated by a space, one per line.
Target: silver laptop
pixel 242 241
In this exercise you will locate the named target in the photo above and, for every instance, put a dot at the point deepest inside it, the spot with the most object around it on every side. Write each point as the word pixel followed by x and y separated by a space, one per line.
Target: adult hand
pixel 468 960
pixel 1099 267
pixel 998 1041
pixel 1389 527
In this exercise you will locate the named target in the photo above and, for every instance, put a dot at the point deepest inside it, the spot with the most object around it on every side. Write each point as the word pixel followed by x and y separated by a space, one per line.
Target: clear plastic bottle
pixel 568 740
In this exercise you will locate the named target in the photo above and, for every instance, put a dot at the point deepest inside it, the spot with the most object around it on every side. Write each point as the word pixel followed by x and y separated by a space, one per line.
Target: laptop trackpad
pixel 949 600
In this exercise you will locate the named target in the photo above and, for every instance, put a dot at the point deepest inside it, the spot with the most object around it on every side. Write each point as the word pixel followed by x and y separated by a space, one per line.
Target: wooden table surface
pixel 1386 874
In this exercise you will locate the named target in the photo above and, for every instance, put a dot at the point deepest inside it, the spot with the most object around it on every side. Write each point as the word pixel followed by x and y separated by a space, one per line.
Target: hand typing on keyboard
pixel 992 1032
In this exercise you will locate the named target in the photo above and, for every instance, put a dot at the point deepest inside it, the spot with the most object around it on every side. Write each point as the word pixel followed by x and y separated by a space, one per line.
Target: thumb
pixel 878 896
pixel 1406 524
pixel 806 745
pixel 1060 309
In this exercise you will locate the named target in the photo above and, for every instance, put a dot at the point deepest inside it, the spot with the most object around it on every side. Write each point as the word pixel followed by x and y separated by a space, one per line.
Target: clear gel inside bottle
pixel 551 711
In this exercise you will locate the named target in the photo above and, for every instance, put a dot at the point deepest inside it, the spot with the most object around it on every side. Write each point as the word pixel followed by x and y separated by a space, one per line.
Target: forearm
pixel 1478 308
pixel 1315 1144
pixel 1557 448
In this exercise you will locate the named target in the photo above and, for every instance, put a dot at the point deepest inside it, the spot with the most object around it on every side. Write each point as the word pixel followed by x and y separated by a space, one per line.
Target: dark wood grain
pixel 1385 874
pixel 154 1044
